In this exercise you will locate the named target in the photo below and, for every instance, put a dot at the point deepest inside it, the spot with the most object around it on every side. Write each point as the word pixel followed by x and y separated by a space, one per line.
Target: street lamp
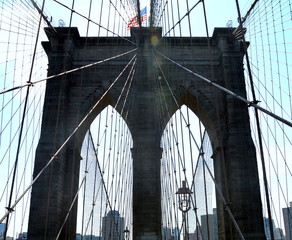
pixel 184 194
pixel 126 233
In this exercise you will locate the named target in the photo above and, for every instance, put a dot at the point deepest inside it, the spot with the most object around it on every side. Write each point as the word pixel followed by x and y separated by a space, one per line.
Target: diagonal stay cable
pixel 161 12
pixel 73 202
pixel 259 131
pixel 83 182
pixel 267 91
pixel 213 178
pixel 110 188
pixel 41 12
pixel 15 166
pixel 175 134
pixel 116 10
pixel 249 103
pixel 224 201
pixel 249 11
pixel 68 138
pixel 67 72
pixel 186 14
pixel 95 194
pixel 90 20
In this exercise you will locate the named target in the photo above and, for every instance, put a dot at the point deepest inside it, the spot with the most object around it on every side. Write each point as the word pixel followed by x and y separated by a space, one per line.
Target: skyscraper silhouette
pixel 113 226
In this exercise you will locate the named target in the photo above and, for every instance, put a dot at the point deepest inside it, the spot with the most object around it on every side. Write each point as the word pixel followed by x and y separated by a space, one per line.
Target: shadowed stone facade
pixel 147 110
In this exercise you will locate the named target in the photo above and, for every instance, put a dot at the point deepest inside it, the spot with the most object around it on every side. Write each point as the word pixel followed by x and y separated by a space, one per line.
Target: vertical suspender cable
pixel 101 11
pixel 172 16
pixel 71 16
pixel 257 123
pixel 217 112
pixel 178 14
pixel 201 153
pixel 22 125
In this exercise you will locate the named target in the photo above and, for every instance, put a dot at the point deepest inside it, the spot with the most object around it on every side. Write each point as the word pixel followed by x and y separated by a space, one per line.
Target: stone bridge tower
pixel 69 98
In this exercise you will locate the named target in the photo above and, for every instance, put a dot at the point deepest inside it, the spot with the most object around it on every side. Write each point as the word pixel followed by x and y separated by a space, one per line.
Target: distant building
pixel 209 226
pixel 2 229
pixel 113 226
pixel 215 219
pixel 91 237
pixel 192 236
pixel 279 234
pixel 22 236
pixel 287 215
pixel 197 234
pixel 167 233
pixel 87 237
pixel 78 236
pixel 176 233
pixel 268 229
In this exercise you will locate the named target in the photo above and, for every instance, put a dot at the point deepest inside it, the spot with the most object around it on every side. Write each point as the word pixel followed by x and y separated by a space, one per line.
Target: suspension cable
pixel 257 123
pixel 186 14
pixel 217 187
pixel 67 140
pixel 249 103
pixel 67 72
pixel 94 22
pixel 9 207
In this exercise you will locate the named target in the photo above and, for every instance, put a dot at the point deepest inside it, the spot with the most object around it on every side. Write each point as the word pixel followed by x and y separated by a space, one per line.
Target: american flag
pixel 134 21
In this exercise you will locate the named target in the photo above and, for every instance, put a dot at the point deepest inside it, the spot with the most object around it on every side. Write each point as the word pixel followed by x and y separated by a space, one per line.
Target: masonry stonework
pixel 70 97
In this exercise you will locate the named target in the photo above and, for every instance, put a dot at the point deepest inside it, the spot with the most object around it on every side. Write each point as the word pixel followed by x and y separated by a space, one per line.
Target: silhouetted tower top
pixel 113 226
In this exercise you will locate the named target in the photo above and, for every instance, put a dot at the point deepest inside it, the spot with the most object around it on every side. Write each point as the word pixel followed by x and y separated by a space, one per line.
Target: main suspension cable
pixel 249 103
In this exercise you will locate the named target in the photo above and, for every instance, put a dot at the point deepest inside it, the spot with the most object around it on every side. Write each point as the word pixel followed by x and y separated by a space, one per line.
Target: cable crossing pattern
pixel 106 169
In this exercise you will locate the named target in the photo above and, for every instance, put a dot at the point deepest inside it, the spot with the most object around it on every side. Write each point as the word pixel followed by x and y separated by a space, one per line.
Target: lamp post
pixel 184 195
pixel 126 233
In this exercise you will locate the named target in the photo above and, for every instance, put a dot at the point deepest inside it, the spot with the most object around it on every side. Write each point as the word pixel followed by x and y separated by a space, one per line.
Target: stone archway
pixel 68 100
